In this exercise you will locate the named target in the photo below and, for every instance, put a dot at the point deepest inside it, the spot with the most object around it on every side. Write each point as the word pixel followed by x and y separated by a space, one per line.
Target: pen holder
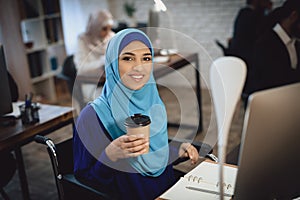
pixel 29 113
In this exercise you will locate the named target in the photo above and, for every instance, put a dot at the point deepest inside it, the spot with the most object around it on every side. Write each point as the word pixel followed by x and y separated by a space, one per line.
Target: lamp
pixel 161 6
pixel 153 21
pixel 154 13
pixel 227 77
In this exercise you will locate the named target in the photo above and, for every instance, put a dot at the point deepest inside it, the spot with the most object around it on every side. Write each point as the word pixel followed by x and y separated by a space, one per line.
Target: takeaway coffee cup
pixel 138 124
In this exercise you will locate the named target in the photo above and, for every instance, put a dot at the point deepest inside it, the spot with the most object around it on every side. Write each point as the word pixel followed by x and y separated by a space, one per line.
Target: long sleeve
pixel 89 143
pixel 119 178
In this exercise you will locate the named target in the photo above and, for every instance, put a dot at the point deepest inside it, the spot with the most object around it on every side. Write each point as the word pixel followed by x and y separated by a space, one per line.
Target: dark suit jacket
pixel 271 64
pixel 245 33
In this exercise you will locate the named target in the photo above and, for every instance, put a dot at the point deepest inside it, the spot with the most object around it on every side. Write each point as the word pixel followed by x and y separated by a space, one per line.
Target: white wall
pixel 75 15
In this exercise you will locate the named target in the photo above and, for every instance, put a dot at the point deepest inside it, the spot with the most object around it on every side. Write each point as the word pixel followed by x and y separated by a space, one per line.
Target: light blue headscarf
pixel 117 102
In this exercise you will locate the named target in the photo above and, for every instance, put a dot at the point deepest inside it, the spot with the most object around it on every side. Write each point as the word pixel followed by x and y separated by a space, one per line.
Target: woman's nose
pixel 138 65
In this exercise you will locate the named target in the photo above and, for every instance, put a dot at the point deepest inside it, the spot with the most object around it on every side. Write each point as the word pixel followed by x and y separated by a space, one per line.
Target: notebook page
pixel 206 175
pixel 201 183
pixel 179 191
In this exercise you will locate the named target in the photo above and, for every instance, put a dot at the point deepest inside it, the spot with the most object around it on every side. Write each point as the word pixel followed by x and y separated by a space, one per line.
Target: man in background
pixel 276 59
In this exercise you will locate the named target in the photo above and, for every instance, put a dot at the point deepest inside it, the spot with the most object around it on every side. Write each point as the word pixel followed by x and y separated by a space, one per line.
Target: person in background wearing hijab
pixel 90 55
pixel 103 152
pixel 92 44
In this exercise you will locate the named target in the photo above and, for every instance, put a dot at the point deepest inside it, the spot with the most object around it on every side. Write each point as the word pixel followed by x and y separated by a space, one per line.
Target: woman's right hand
pixel 127 146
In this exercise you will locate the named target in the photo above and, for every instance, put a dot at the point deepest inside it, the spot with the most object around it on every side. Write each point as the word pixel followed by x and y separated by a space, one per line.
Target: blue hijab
pixel 117 102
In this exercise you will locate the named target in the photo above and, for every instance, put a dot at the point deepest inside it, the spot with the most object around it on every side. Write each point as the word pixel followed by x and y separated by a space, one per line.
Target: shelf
pixel 42 17
pixel 51 16
pixel 46 76
pixel 44 47
pixel 41 42
pixel 35 49
pixel 35 19
pixel 58 43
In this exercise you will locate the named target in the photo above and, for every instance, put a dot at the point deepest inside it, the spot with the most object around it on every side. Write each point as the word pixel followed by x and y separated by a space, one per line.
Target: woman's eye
pixel 147 58
pixel 127 58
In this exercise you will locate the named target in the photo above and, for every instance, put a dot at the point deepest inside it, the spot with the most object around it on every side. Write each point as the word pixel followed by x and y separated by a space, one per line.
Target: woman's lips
pixel 137 77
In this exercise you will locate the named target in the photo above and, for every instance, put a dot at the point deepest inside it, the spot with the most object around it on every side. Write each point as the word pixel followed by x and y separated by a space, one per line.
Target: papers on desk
pixel 161 59
pixel 166 52
pixel 202 183
pixel 16 111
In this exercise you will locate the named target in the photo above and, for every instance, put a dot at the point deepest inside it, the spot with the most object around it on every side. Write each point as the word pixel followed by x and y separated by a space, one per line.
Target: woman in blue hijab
pixel 103 153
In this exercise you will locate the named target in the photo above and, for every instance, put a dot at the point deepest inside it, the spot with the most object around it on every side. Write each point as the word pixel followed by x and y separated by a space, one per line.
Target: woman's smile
pixel 136 77
pixel 135 65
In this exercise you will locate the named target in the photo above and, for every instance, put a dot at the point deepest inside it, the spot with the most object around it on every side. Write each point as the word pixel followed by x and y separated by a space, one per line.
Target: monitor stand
pixel 7 121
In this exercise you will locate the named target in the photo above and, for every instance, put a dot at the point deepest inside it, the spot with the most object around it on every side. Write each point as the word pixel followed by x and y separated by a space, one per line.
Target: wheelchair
pixel 68 187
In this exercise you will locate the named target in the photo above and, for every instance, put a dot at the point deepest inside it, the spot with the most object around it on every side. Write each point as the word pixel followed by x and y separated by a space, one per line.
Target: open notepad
pixel 203 183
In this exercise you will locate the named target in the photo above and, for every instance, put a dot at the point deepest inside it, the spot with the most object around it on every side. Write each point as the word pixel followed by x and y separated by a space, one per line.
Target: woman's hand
pixel 127 146
pixel 188 150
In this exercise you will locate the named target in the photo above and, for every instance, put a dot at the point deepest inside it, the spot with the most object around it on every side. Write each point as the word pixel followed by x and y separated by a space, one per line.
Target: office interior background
pixel 203 21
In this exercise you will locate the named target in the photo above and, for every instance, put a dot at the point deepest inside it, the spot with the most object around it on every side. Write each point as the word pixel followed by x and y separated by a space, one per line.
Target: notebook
pixel 203 183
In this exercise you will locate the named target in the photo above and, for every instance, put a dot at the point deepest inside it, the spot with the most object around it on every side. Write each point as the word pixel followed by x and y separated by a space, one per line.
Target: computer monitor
pixel 5 99
pixel 269 166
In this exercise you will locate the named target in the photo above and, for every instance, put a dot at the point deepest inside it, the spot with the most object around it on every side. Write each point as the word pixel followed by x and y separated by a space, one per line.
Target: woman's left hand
pixel 188 150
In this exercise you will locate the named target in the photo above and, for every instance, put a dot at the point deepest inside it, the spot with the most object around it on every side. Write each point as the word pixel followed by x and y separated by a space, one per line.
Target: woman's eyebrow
pixel 128 53
pixel 132 54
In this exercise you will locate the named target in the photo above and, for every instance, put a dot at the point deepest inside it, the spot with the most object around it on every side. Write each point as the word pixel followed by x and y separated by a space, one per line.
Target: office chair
pixel 68 187
pixel 69 73
pixel 224 49
pixel 7 170
pixel 227 78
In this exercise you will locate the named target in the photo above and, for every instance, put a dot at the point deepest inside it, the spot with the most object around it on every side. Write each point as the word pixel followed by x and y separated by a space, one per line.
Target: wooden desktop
pixel 13 137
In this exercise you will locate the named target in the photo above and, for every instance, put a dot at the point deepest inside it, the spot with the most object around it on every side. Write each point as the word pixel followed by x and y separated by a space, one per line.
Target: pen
pixel 207 191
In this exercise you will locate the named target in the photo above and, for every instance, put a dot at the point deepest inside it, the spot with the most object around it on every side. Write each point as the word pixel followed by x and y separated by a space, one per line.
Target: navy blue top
pixel 90 140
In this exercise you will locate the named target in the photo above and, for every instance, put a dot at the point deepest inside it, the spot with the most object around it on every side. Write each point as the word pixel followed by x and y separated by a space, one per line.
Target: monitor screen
pixel 5 100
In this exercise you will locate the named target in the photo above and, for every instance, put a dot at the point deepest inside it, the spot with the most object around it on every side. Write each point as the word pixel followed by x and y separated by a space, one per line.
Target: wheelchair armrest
pixel 87 190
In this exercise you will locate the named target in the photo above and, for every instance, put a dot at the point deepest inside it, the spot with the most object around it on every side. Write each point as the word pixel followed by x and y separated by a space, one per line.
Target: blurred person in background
pixel 246 31
pixel 276 60
pixel 92 44
pixel 89 58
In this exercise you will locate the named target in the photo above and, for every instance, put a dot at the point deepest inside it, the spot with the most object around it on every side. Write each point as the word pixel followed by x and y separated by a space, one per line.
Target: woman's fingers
pixel 190 151
pixel 193 154
pixel 134 144
pixel 138 153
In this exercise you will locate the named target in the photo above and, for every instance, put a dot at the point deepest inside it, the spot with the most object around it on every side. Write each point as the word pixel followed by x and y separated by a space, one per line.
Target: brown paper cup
pixel 138 124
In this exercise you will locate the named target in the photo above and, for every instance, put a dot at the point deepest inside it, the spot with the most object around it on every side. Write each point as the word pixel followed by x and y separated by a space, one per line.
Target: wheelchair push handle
pixel 41 139
pixel 46 141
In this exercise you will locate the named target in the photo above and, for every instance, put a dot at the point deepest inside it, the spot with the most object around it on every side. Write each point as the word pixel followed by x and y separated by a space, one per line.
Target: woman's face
pixel 104 31
pixel 135 65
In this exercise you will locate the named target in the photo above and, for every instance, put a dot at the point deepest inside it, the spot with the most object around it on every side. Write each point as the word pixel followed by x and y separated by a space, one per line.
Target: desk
pixel 14 137
pixel 176 62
